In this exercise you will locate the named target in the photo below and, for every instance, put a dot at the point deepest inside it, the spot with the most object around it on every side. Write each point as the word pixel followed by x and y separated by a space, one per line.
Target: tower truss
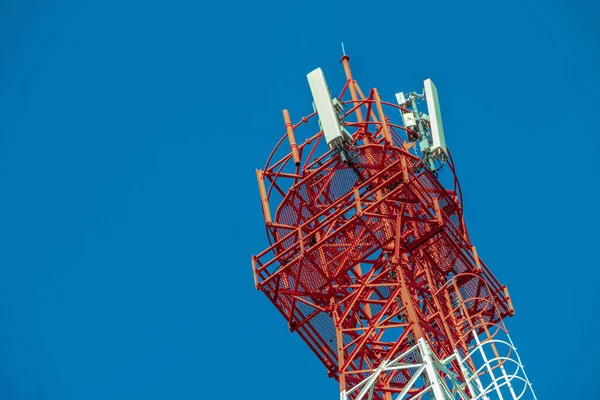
pixel 370 261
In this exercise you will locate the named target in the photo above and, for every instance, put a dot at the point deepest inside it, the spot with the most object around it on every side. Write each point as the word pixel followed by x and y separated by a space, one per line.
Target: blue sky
pixel 129 136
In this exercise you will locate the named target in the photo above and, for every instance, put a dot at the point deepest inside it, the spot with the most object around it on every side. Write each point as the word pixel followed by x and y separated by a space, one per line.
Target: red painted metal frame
pixel 370 256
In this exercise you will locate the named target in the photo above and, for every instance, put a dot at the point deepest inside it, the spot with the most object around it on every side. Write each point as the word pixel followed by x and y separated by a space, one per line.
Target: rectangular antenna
pixel 324 105
pixel 435 116
pixel 400 98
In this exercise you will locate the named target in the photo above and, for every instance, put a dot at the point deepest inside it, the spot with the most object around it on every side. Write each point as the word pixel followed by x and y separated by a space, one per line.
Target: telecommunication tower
pixel 370 260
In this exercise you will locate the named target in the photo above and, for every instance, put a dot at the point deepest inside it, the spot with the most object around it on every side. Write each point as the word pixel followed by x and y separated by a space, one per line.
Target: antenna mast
pixel 370 261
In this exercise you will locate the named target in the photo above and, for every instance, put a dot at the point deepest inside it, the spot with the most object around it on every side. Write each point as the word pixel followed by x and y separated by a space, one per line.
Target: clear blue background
pixel 130 133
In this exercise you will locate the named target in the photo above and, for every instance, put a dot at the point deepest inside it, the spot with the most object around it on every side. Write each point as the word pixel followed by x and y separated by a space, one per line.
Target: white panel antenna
pixel 325 108
pixel 435 115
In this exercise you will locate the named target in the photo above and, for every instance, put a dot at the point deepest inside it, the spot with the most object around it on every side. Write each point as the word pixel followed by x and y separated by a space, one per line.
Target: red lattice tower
pixel 371 264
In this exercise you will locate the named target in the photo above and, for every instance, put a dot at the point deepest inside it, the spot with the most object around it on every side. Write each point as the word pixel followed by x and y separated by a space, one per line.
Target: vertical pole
pixel 487 365
pixel 404 169
pixel 357 202
pixel 431 374
pixel 290 134
pixel 413 103
pixel 433 288
pixel 500 361
pixel 438 212
pixel 407 301
pixel 476 257
pixel 398 234
pixel 462 307
pixel 254 271
pixel 340 344
pixel 461 340
pixel 346 63
pixel 469 375
pixel 263 196
pixel 351 85
pixel 384 125
pixel 510 305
